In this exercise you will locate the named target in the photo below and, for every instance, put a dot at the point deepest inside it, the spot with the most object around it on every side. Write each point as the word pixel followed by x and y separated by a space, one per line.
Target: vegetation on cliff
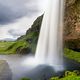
pixel 72 54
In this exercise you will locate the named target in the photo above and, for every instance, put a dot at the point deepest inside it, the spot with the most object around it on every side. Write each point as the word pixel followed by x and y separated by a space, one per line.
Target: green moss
pixel 11 47
pixel 72 54
pixel 4 45
pixel 25 79
pixel 68 76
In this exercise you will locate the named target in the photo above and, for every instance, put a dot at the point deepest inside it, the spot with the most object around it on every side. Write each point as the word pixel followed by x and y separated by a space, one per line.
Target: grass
pixel 18 44
pixel 25 79
pixel 11 47
pixel 4 45
pixel 75 75
pixel 72 54
pixel 67 78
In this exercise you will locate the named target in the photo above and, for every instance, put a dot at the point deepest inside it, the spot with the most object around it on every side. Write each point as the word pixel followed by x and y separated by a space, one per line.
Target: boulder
pixel 5 71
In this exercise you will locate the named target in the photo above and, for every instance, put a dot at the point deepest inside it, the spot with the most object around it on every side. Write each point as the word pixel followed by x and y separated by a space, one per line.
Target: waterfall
pixel 49 48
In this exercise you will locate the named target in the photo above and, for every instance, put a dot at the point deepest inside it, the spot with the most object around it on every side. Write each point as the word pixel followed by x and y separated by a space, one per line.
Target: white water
pixel 49 48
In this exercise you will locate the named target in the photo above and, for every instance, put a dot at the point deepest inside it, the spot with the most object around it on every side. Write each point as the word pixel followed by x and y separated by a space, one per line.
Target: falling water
pixel 49 48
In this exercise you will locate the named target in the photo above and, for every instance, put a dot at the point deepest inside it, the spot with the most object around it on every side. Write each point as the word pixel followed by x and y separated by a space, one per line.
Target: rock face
pixel 72 24
pixel 72 19
pixel 5 71
pixel 69 2
pixel 23 51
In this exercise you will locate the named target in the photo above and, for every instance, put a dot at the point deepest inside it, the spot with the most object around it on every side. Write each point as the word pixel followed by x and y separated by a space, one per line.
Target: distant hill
pixel 7 39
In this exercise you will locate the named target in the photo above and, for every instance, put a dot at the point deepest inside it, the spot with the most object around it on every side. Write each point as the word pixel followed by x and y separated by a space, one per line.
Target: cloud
pixel 16 33
pixel 11 10
pixel 17 16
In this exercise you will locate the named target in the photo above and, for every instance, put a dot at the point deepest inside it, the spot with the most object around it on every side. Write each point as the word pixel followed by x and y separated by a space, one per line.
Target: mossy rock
pixel 73 44
pixel 25 51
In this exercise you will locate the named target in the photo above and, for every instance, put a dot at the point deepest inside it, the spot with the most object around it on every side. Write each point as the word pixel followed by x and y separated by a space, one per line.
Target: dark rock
pixel 18 49
pixel 73 44
pixel 24 51
pixel 29 40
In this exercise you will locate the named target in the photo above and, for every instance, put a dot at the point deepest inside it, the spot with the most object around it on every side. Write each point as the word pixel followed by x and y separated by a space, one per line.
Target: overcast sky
pixel 16 16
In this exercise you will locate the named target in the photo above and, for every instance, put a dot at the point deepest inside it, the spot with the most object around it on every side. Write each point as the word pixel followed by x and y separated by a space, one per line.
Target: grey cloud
pixel 15 33
pixel 11 10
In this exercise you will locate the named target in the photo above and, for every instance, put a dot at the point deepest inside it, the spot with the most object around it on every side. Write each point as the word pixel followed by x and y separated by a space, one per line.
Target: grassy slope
pixel 4 46
pixel 72 54
pixel 11 47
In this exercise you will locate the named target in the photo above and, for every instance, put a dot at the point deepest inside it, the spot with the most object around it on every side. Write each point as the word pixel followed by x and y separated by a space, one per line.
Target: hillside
pixel 32 34
pixel 25 44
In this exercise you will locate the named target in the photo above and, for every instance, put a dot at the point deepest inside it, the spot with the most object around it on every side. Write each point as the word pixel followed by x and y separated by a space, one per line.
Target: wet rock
pixel 69 2
pixel 23 50
pixel 5 71
pixel 73 44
